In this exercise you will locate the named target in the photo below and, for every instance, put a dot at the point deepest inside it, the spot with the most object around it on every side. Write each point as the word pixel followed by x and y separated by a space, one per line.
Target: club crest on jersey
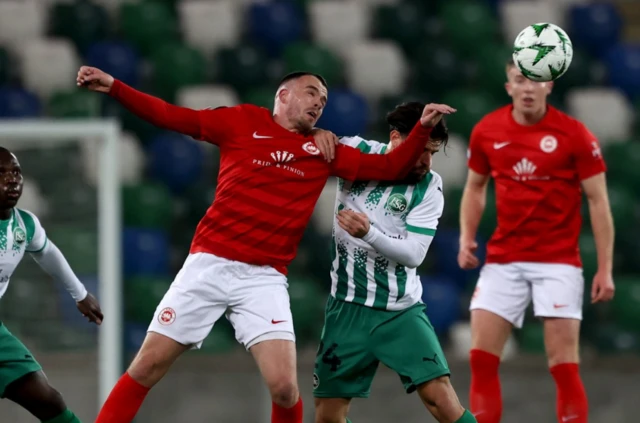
pixel 548 144
pixel 396 203
pixel 19 236
pixel 311 148
pixel 167 316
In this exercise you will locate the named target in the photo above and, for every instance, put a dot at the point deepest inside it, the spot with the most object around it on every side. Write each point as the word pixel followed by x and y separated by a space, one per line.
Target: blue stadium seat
pixel 145 252
pixel 18 103
pixel 445 247
pixel 275 24
pixel 175 160
pixel 119 59
pixel 346 113
pixel 134 334
pixel 442 297
pixel 67 305
pixel 623 63
pixel 595 26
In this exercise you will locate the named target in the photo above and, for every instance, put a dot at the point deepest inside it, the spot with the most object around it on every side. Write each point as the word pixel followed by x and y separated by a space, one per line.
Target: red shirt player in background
pixel 271 175
pixel 541 160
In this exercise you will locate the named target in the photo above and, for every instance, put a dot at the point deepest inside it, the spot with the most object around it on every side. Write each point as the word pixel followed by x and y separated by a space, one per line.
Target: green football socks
pixel 66 417
pixel 467 417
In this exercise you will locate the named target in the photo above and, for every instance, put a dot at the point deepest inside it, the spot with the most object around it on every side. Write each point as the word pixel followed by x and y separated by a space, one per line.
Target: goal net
pixel 79 207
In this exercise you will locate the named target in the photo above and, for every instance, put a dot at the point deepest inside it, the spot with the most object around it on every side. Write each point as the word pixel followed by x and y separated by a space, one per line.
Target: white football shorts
pixel 254 299
pixel 507 289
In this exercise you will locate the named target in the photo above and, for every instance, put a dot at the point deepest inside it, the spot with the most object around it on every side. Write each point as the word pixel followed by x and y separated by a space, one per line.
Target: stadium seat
pixel 118 59
pixel 492 62
pixel 79 246
pixel 221 340
pixel 147 205
pixel 32 198
pixel 303 56
pixel 472 105
pixel 73 104
pixel 199 197
pixel 595 26
pixel 131 160
pixel 346 113
pixel 142 129
pixel 21 21
pixel 618 155
pixel 626 303
pixel 338 24
pixel 437 71
pixel 71 200
pixel 273 25
pixel 587 104
pixel 451 162
pixel 468 24
pixel 306 307
pixel 623 207
pixel 244 67
pixel 584 71
pixel 67 305
pixel 175 160
pixel 325 207
pixel 81 22
pixel 146 252
pixel 376 68
pixel 206 97
pixel 148 24
pixel 403 23
pixel 134 334
pixel 588 255
pixel 623 66
pixel 61 67
pixel 17 103
pixel 517 15
pixel 209 25
pixel 263 97
pixel 142 294
pixel 611 339
pixel 441 295
pixel 489 220
pixel 176 66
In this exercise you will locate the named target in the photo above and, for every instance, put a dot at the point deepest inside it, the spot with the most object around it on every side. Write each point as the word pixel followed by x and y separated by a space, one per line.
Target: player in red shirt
pixel 271 175
pixel 541 161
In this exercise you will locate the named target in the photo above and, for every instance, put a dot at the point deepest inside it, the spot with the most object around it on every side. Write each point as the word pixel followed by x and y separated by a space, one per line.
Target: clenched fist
pixel 94 79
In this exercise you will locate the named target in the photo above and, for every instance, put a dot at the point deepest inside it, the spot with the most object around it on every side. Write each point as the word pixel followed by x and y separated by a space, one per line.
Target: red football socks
pixel 286 415
pixel 571 399
pixel 123 402
pixel 486 398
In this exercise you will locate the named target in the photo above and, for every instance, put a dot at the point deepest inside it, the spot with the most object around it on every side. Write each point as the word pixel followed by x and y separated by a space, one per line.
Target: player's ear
pixel 549 87
pixel 507 87
pixel 282 95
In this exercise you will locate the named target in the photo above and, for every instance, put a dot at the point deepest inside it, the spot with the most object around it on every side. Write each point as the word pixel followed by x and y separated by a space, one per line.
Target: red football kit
pixel 537 171
pixel 270 178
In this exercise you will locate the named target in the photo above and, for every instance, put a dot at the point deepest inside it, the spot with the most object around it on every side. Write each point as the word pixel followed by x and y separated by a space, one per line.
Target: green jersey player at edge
pixel 21 378
pixel 381 233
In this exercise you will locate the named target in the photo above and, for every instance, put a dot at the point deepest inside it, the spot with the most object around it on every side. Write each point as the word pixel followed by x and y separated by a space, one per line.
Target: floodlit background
pixel 374 54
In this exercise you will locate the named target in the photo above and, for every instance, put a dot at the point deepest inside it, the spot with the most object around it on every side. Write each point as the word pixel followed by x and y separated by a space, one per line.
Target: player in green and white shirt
pixel 381 233
pixel 21 377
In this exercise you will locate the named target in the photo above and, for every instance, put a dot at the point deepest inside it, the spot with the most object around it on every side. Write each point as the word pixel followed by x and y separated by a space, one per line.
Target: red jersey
pixel 537 171
pixel 270 178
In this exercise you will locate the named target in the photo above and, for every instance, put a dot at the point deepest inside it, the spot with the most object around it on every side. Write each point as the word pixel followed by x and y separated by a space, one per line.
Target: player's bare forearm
pixel 397 164
pixel 474 199
pixel 603 233
pixel 595 188
pixel 156 111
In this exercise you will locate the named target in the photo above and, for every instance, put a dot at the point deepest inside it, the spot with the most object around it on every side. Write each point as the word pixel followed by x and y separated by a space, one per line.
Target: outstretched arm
pixel 152 109
pixel 352 165
pixel 51 260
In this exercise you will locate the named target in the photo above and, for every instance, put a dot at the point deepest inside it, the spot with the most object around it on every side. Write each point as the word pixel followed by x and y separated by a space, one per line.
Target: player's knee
pixel 439 396
pixel 284 392
pixel 148 367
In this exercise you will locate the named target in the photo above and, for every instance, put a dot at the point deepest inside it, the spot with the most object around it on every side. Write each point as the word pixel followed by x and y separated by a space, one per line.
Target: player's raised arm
pixel 152 109
pixel 354 165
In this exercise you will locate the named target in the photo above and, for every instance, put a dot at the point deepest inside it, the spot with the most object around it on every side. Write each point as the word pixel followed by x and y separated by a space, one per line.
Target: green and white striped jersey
pixel 359 273
pixel 21 233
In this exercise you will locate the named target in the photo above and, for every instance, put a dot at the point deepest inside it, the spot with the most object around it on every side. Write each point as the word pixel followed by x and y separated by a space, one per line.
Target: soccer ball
pixel 542 52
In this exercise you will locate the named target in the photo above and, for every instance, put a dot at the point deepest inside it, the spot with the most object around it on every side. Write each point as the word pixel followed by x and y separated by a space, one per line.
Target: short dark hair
pixel 405 116
pixel 299 74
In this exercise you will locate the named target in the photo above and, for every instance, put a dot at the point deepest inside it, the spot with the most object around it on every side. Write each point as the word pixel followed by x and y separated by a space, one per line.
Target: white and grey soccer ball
pixel 543 52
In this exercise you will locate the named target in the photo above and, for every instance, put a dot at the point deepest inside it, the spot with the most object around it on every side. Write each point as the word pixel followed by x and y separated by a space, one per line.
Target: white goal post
pixel 34 132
